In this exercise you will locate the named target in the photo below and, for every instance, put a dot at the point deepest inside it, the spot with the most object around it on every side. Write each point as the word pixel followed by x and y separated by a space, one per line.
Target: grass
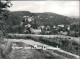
pixel 32 54
pixel 63 43
pixel 65 55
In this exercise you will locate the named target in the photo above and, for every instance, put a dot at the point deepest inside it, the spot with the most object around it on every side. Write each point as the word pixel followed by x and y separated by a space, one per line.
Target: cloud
pixel 68 8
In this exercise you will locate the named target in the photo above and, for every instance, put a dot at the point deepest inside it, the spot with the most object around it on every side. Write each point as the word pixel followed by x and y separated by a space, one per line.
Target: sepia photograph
pixel 39 29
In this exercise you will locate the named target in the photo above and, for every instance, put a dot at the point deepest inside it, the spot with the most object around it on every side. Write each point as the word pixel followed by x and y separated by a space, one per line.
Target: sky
pixel 67 8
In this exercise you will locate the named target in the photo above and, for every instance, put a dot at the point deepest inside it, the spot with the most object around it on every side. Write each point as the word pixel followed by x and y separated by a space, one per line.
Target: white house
pixel 35 31
pixel 54 26
pixel 60 25
pixel 41 27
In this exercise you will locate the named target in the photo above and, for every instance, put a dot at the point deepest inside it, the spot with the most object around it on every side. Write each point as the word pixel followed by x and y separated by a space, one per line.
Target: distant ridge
pixel 46 18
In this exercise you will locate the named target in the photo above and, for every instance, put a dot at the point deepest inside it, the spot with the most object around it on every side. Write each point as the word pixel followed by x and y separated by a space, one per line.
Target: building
pixel 61 25
pixel 35 31
pixel 41 27
pixel 54 27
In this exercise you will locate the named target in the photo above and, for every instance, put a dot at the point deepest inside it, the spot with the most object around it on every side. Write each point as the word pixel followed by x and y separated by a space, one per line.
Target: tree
pixel 3 25
pixel 4 16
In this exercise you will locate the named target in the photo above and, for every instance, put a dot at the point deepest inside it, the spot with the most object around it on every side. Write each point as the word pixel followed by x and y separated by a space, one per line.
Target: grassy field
pixel 32 54
pixel 70 44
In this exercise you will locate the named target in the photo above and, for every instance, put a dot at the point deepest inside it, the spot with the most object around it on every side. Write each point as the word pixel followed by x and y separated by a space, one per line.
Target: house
pixel 22 23
pixel 38 16
pixel 47 32
pixel 48 28
pixel 64 33
pixel 27 28
pixel 68 27
pixel 54 27
pixel 51 16
pixel 25 17
pixel 35 31
pixel 30 19
pixel 41 27
pixel 60 25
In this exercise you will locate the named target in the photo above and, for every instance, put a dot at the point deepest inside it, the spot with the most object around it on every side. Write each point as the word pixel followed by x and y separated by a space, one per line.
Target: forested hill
pixel 46 18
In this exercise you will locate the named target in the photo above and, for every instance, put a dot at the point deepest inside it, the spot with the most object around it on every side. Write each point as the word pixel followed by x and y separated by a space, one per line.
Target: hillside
pixel 46 18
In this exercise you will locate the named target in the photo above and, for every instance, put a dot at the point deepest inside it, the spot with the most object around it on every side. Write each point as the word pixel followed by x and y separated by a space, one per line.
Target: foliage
pixel 75 27
pixel 39 19
pixel 3 27
pixel 4 16
pixel 76 30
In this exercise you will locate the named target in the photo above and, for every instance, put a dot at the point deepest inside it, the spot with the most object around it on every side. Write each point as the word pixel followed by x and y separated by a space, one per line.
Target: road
pixel 31 42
